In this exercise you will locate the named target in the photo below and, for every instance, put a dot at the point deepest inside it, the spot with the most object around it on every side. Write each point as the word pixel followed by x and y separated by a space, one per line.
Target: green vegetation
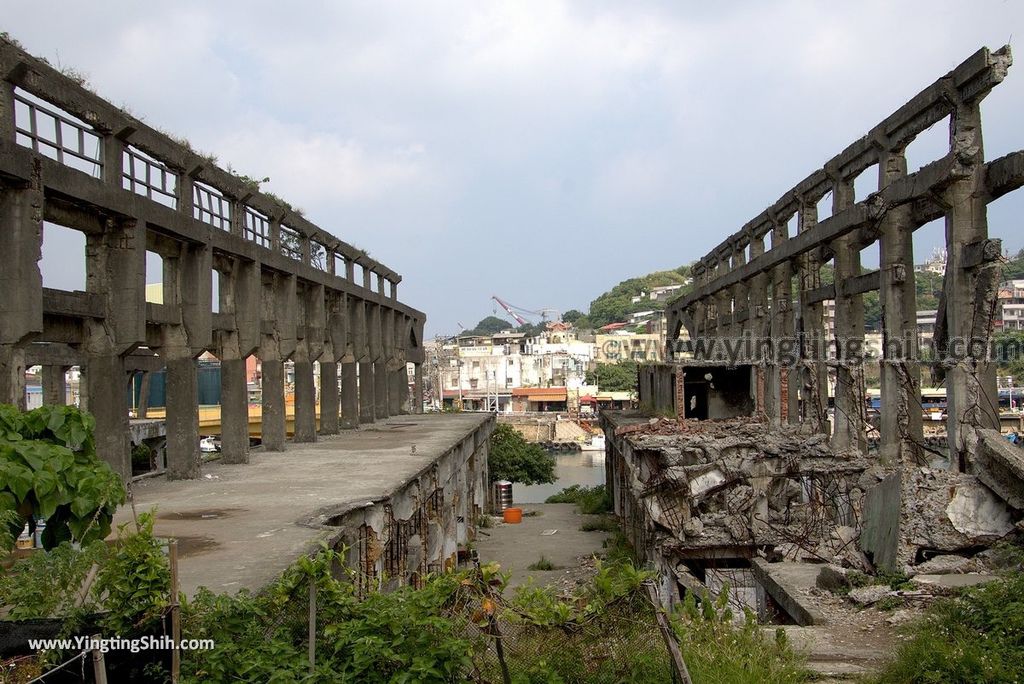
pixel 601 524
pixel 542 563
pixel 131 587
pixel 514 459
pixel 49 469
pixel 402 635
pixel 613 377
pixel 615 305
pixel 977 637
pixel 718 650
pixel 488 326
pixel 589 500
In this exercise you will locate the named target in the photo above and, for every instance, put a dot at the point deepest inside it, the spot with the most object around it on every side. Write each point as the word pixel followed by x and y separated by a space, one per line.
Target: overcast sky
pixel 540 151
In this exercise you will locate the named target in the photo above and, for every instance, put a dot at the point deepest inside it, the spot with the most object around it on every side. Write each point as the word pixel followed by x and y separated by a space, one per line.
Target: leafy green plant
pixel 514 459
pixel 49 469
pixel 716 649
pixel 135 581
pixel 45 585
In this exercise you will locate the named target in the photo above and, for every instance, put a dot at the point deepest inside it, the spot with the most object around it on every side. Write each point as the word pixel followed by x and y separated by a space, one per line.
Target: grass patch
pixel 542 564
pixel 718 650
pixel 602 524
pixel 976 637
pixel 589 500
pixel 484 522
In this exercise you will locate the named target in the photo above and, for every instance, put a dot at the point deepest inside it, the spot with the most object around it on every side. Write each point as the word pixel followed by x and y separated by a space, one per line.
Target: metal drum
pixel 502 496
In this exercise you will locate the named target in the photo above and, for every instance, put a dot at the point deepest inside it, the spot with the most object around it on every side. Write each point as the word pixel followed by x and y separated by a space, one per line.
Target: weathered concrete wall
pixel 288 289
pixel 420 527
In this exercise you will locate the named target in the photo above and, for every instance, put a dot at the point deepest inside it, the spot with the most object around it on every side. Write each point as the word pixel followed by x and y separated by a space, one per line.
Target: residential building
pixel 1011 305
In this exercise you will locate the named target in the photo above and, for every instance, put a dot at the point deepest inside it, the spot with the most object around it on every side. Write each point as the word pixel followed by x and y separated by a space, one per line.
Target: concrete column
pixel 21 283
pixel 143 406
pixel 234 412
pixel 366 403
pixel 970 290
pixel 902 432
pixel 12 375
pixel 814 374
pixel 850 418
pixel 398 391
pixel 418 389
pixel 55 385
pixel 380 389
pixel 182 419
pixel 349 396
pixel 305 402
pixel 781 392
pixel 329 404
pixel 272 431
pixel 106 398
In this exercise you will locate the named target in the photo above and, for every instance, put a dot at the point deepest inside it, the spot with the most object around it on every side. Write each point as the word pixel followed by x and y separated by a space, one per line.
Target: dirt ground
pixel 516 547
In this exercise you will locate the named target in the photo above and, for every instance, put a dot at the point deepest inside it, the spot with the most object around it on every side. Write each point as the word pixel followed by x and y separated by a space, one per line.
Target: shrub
pixel 718 650
pixel 589 500
pixel 977 637
pixel 602 524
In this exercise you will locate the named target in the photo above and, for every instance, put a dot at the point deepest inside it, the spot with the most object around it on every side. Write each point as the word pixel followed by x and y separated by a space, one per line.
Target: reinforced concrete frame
pixel 288 290
pixel 743 289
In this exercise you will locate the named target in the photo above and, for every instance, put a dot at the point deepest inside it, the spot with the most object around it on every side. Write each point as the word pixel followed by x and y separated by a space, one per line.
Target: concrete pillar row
pixel 366 389
pixel 329 398
pixel 234 411
pixel 305 402
pixel 182 420
pixel 273 420
pixel 349 396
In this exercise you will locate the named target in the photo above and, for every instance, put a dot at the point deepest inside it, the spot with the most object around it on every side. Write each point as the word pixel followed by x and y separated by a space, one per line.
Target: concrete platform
pixel 241 525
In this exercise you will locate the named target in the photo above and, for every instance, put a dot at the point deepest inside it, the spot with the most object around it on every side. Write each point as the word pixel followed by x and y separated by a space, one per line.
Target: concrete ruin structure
pixel 735 456
pixel 288 289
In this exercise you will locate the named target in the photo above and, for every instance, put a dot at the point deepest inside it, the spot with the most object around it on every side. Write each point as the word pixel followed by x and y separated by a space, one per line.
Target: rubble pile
pixel 727 482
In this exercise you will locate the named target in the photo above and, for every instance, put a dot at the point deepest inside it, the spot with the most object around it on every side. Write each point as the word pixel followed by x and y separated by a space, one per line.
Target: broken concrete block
pixel 1000 466
pixel 953 580
pixel 832 578
pixel 693 527
pixel 946 564
pixel 866 596
pixel 976 512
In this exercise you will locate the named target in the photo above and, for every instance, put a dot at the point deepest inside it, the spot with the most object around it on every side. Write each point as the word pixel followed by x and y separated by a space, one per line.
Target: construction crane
pixel 543 313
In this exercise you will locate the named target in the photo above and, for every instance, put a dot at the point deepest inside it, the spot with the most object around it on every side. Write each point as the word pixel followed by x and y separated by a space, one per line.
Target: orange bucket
pixel 513 515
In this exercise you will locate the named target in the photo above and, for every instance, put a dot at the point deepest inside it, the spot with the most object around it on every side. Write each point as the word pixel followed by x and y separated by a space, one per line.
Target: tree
pixel 572 315
pixel 489 326
pixel 514 459
pixel 614 377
